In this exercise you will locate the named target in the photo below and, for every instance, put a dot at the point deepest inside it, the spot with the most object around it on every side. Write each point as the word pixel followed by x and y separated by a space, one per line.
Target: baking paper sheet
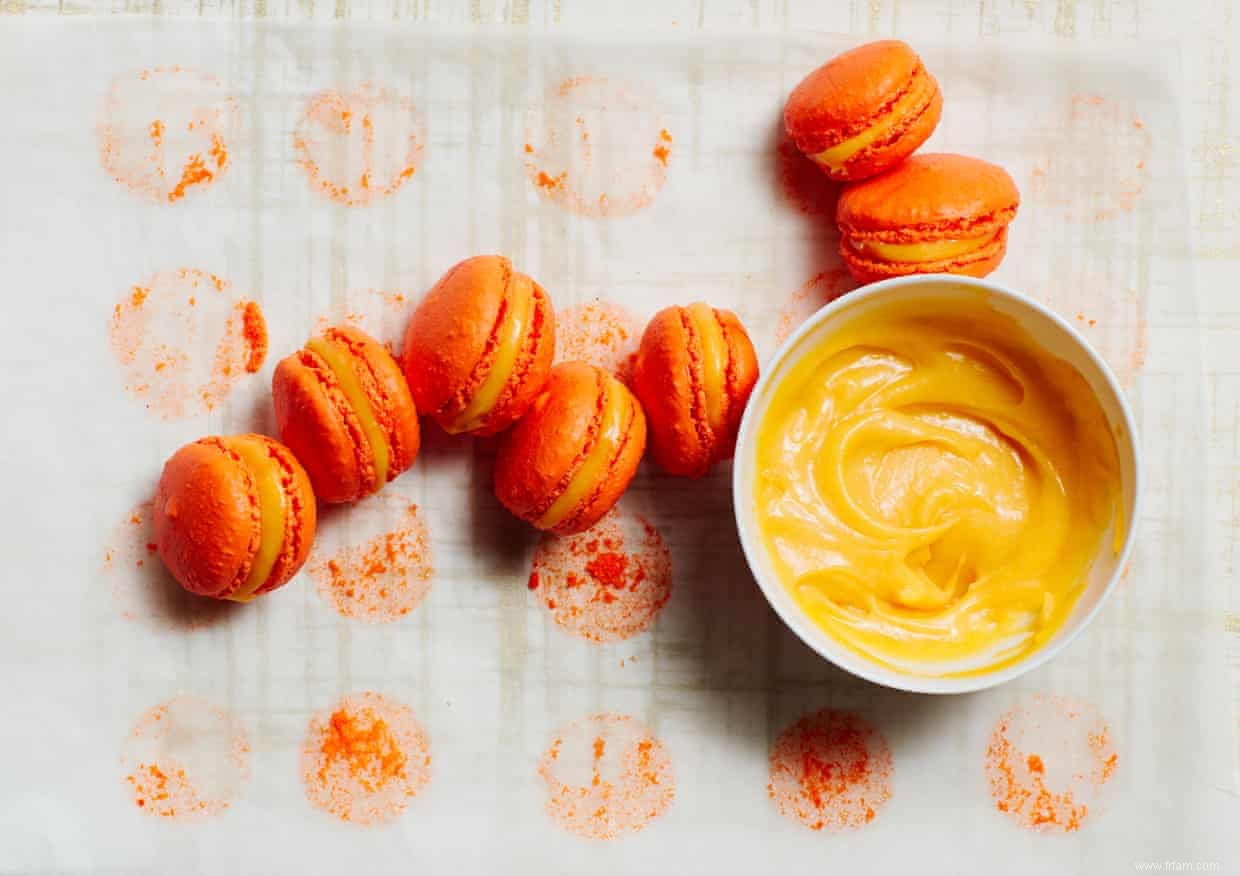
pixel 637 173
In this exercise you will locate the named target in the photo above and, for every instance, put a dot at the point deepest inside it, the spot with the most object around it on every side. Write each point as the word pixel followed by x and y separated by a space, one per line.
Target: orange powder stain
pixel 830 771
pixel 601 333
pixel 161 334
pixel 606 584
pixel 165 132
pixel 383 578
pixel 1075 178
pixel 185 759
pixel 1056 787
pixel 802 183
pixel 817 292
pixel 584 114
pixel 361 146
pixel 606 775
pixel 365 758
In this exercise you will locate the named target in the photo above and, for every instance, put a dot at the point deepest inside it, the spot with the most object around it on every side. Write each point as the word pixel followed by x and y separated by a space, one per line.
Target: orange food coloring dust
pixel 606 775
pixel 365 758
pixel 600 333
pixel 185 759
pixel 830 771
pixel 1057 786
pixel 606 584
pixel 384 577
pixel 584 111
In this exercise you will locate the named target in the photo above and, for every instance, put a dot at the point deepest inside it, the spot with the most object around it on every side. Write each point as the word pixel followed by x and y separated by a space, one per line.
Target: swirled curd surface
pixel 932 490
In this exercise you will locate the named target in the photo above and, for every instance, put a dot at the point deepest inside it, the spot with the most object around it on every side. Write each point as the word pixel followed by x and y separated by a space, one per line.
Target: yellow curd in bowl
pixel 932 490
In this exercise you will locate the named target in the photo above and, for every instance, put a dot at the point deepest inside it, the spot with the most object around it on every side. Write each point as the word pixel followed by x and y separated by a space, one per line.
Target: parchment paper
pixel 91 641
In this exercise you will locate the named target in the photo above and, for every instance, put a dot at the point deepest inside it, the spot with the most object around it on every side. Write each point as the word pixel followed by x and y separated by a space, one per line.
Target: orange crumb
pixel 254 330
pixel 364 759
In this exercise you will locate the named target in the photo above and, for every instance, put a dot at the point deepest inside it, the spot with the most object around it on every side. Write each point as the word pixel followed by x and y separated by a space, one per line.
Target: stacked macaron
pixel 860 117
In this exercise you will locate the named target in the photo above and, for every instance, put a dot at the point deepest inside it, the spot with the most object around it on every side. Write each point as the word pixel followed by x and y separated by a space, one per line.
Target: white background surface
pixel 488 675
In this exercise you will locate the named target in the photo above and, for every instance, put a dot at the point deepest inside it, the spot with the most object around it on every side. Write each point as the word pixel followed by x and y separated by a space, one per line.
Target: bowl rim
pixel 798 621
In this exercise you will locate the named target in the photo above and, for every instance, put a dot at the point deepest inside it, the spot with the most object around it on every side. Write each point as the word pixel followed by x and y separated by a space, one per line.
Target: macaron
pixel 695 369
pixel 234 516
pixel 933 213
pixel 570 458
pixel 865 110
pixel 342 405
pixel 479 346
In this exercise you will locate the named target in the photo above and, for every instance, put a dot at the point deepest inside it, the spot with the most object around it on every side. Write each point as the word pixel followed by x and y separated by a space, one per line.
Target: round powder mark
pixel 830 771
pixel 601 333
pixel 815 294
pixel 185 759
pixel 1047 762
pixel 360 146
pixel 606 584
pixel 183 340
pixel 381 313
pixel 597 147
pixel 165 132
pixel 365 758
pixel 1094 168
pixel 376 578
pixel 141 588
pixel 802 183
pixel 607 775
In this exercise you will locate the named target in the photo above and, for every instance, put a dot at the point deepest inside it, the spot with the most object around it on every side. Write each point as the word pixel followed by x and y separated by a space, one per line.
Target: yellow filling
pixel 714 360
pixel 835 157
pixel 511 333
pixel 921 252
pixel 932 491
pixel 356 396
pixel 586 478
pixel 271 504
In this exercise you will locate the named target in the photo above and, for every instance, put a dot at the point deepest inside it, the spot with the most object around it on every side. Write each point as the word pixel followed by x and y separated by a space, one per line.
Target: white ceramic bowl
pixel 1057 338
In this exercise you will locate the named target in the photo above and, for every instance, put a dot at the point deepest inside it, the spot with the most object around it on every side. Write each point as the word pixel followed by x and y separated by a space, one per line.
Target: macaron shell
pixel 844 96
pixel 903 142
pixel 207 518
pixel 930 196
pixel 536 458
pixel 317 423
pixel 741 377
pixel 390 400
pixel 619 474
pixel 978 263
pixel 300 520
pixel 529 372
pixel 448 343
pixel 667 380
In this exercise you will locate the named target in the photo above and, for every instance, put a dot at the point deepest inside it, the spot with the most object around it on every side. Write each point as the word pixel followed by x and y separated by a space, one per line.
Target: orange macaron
pixel 932 214
pixel 342 405
pixel 695 369
pixel 865 110
pixel 234 516
pixel 479 346
pixel 571 457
